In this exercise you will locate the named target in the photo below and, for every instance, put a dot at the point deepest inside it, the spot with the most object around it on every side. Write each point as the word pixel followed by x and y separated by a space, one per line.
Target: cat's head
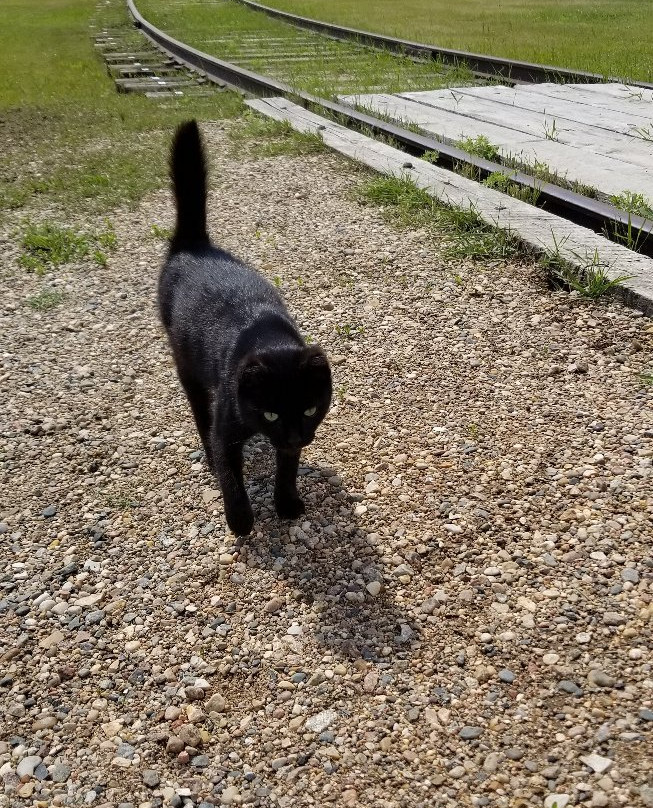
pixel 285 394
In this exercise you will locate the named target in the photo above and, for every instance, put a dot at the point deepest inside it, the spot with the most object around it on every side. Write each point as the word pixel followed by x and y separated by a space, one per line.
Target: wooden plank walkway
pixel 537 228
pixel 600 135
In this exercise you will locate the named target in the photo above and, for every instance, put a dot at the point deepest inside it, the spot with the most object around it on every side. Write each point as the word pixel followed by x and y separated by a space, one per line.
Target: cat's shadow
pixel 328 559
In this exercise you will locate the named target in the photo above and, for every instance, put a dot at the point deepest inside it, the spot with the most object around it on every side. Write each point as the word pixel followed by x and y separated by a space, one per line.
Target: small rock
pixel 551 659
pixel 567 686
pixel 320 721
pixel 374 588
pixel 200 761
pixel 151 778
pixel 229 795
pixel 597 763
pixel 457 772
pixel 556 800
pixel 507 676
pixel 175 745
pixel 194 693
pixel 216 704
pixel 47 722
pixel 630 574
pixel 515 753
pixel 190 735
pixel 600 678
pixel 25 768
pixel 645 715
pixel 60 772
pixel 469 733
pixel 49 511
pixel 613 619
pixel 52 640
pixel 274 605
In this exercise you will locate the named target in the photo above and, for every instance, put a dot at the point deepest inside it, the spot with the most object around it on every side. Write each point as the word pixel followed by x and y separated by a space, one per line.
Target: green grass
pixel 48 245
pixel 301 58
pixel 479 146
pixel 256 136
pixel 503 182
pixel 47 299
pixel 610 37
pixel 70 141
pixel 634 203
pixel 588 275
pixel 465 234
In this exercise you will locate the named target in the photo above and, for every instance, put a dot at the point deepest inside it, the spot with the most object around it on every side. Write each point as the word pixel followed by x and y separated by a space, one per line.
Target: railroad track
pixel 591 213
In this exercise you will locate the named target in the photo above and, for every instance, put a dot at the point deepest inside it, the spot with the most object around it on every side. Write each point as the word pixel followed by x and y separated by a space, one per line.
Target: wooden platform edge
pixel 538 229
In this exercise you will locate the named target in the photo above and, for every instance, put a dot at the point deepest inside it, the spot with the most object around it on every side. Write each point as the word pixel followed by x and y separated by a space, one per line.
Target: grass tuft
pixel 466 234
pixel 47 299
pixel 258 136
pixel 634 203
pixel 502 182
pixel 588 275
pixel 48 245
pixel 479 146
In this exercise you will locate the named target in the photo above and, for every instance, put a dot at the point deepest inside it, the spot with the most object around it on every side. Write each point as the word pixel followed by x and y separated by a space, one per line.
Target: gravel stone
pixel 319 722
pixel 60 772
pixel 27 765
pixel 470 733
pixel 151 778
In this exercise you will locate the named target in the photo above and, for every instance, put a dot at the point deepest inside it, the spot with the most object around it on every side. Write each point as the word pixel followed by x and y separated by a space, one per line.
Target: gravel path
pixel 463 618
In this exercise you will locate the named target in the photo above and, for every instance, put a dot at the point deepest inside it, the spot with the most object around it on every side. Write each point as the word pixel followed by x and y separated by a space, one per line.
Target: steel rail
pixel 514 71
pixel 592 213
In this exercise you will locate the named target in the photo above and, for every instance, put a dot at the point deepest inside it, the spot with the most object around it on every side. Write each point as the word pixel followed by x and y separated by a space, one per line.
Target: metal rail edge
pixel 515 71
pixel 592 213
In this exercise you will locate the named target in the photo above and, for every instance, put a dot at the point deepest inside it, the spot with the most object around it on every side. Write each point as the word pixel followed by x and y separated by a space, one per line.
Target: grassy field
pixel 610 37
pixel 67 136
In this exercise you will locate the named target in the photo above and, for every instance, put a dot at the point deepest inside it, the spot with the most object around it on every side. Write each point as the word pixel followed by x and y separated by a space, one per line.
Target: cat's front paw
pixel 289 507
pixel 240 518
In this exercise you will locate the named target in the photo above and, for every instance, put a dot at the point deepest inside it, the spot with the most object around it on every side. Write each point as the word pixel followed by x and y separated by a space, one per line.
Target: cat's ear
pixel 251 370
pixel 315 360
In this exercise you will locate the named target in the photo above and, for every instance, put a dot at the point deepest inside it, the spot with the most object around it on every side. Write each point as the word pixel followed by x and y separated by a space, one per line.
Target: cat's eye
pixel 270 416
pixel 310 412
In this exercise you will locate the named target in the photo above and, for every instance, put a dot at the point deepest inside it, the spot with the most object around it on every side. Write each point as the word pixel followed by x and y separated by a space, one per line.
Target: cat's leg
pixel 286 499
pixel 199 399
pixel 229 469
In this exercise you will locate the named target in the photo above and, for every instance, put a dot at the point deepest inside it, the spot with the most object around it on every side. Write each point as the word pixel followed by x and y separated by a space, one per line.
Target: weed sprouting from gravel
pixel 49 245
pixel 163 233
pixel 258 136
pixel 47 299
pixel 466 234
pixel 588 275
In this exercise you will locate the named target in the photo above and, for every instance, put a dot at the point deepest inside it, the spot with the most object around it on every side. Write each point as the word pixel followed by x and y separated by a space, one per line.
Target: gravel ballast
pixel 462 618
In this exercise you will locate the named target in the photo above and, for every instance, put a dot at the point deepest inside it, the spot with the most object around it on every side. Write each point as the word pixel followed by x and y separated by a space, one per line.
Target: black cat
pixel 240 358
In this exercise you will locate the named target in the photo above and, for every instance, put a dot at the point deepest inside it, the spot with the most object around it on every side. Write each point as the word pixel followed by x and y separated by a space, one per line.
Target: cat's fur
pixel 238 352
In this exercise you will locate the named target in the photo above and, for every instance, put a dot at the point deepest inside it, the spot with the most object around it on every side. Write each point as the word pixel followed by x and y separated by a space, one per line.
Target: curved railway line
pixel 595 214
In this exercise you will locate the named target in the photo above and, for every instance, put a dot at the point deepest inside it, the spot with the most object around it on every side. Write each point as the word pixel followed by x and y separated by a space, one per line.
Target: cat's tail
pixel 188 173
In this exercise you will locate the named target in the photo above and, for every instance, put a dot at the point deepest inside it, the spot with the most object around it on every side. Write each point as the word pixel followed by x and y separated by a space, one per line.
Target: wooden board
pixel 535 227
pixel 633 101
pixel 530 97
pixel 609 173
pixel 532 123
pixel 610 161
